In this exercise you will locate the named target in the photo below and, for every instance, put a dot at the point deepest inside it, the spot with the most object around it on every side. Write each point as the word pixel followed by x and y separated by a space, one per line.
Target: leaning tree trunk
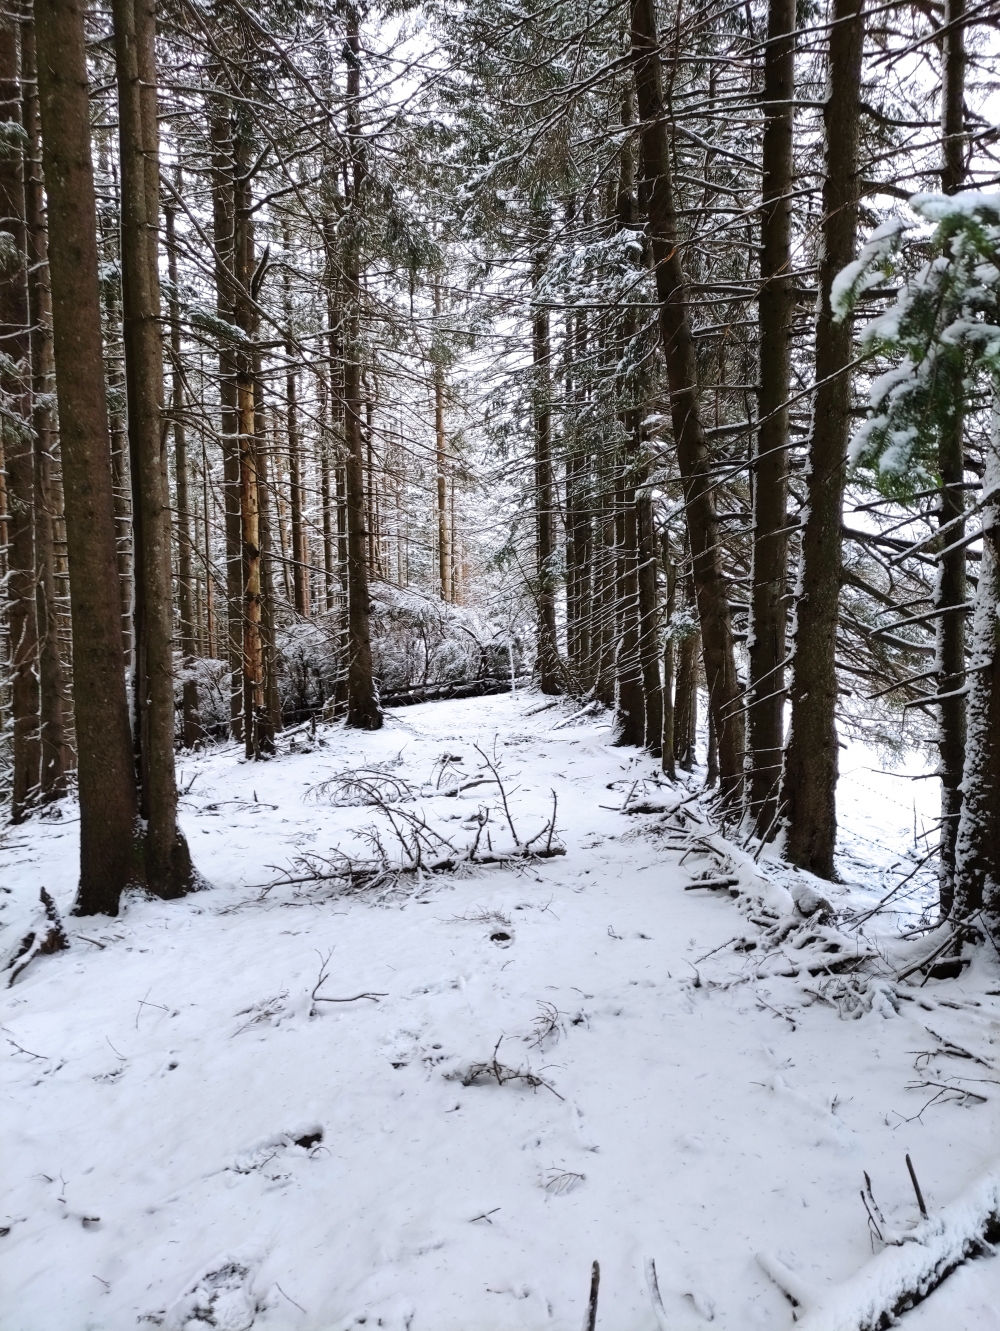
pixel 693 456
pixel 950 589
pixel 168 862
pixel 55 758
pixel 809 777
pixel 18 451
pixel 363 711
pixel 110 842
pixel 769 473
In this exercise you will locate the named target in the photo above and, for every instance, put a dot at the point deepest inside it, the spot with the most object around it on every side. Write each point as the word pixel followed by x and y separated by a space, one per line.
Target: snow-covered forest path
pixel 193 1139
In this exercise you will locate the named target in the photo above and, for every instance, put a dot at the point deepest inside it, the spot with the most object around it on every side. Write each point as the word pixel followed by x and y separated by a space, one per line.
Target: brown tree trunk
pixel 223 217
pixel 545 545
pixel 168 862
pixel 55 757
pixel 441 460
pixel 951 587
pixel 769 473
pixel 809 777
pixel 110 845
pixel 191 728
pixel 296 487
pixel 649 624
pixel 18 450
pixel 271 720
pixel 668 761
pixel 693 456
pixel 257 738
pixel 363 711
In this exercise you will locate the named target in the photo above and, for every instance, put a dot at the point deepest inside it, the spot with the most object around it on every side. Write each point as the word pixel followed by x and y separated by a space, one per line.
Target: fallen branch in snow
pixel 324 973
pixel 595 1283
pixel 905 1272
pixel 496 1071
pixel 44 938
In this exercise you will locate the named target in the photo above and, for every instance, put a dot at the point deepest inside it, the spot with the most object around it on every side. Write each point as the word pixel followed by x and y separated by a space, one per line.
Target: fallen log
pixel 905 1271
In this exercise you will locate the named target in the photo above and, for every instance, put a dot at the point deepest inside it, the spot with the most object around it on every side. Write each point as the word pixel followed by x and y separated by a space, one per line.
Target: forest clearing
pixel 673 1086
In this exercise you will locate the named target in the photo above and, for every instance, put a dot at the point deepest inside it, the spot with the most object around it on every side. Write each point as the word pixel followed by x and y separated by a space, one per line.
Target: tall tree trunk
pixel 223 219
pixel 55 758
pixel 271 721
pixel 809 777
pixel 769 473
pixel 977 846
pixel 191 728
pixel 18 449
pixel 257 736
pixel 168 862
pixel 545 542
pixel 668 760
pixel 693 456
pixel 950 589
pixel 363 711
pixel 440 454
pixel 630 708
pixel 649 624
pixel 296 487
pixel 110 845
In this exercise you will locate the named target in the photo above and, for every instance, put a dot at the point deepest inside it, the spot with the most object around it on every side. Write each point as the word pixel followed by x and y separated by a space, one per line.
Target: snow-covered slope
pixel 193 1139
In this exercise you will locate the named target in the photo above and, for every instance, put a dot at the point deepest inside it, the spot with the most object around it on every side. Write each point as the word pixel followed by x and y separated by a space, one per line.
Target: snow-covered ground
pixel 193 1139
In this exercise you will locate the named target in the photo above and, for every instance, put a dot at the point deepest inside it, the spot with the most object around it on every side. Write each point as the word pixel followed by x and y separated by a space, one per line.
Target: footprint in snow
pixel 219 1297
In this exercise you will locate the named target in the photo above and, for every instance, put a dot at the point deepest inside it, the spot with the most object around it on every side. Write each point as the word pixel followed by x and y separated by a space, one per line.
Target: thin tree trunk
pixel 977 846
pixel 223 216
pixel 296 488
pixel 444 545
pixel 649 624
pixel 55 758
pixel 168 862
pixel 630 706
pixel 18 450
pixel 545 545
pixel 271 721
pixel 363 711
pixel 950 589
pixel 191 728
pixel 110 844
pixel 769 474
pixel 809 777
pixel 689 436
pixel 668 760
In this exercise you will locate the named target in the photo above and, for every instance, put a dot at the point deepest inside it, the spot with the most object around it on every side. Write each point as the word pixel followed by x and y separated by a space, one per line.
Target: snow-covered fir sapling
pixel 943 333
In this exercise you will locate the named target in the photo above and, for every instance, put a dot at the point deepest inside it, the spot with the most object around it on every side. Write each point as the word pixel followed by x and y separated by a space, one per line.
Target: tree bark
pixel 444 544
pixel 977 846
pixel 110 843
pixel 223 219
pixel 809 777
pixel 168 862
pixel 545 543
pixel 769 473
pixel 649 624
pixel 950 588
pixel 682 375
pixel 55 756
pixel 191 728
pixel 18 449
pixel 363 711
pixel 296 487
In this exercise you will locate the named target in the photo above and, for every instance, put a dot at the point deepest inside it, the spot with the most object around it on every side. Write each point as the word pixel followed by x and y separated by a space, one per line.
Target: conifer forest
pixel 500 664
